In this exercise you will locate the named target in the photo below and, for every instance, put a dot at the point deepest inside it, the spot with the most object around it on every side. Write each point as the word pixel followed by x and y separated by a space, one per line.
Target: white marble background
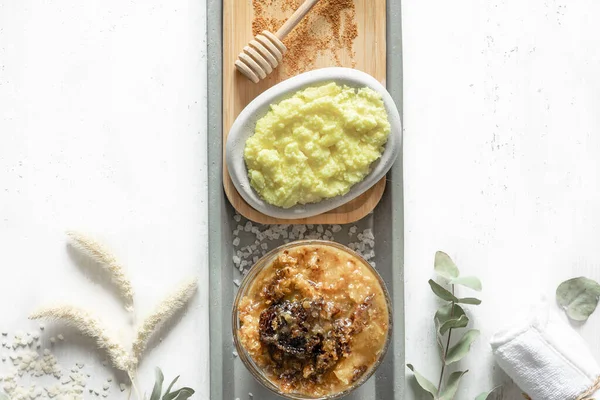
pixel 502 161
pixel 102 128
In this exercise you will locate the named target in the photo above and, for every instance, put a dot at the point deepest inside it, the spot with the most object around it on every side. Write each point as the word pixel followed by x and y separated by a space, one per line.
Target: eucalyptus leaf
pixel 579 297
pixel 165 397
pixel 181 394
pixel 460 322
pixel 485 395
pixel 444 266
pixel 157 391
pixel 442 293
pixel 445 314
pixel 462 347
pixel 470 300
pixel 468 281
pixel 423 382
pixel 452 385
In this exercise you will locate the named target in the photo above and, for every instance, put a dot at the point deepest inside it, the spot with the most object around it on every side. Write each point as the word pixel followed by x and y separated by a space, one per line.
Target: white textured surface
pixel 502 162
pixel 102 129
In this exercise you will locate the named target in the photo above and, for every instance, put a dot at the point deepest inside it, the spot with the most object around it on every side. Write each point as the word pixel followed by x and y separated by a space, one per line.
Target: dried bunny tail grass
pixel 89 326
pixel 165 310
pixel 102 256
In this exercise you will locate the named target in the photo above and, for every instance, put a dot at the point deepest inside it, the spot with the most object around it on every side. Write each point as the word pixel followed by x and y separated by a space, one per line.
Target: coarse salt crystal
pixel 237 218
pixel 236 241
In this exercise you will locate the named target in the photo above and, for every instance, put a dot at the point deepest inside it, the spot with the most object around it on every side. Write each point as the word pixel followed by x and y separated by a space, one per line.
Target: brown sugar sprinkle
pixel 328 30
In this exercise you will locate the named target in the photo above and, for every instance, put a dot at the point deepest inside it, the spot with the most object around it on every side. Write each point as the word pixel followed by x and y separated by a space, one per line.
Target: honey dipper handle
pixel 295 18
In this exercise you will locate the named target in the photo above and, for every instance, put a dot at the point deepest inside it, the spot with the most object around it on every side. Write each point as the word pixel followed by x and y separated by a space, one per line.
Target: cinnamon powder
pixel 327 30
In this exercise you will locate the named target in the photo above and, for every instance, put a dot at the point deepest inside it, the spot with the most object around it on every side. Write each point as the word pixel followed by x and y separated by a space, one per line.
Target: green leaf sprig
pixel 180 394
pixel 449 317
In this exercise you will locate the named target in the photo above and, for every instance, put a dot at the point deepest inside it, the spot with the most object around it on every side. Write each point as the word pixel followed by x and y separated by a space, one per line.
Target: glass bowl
pixel 247 284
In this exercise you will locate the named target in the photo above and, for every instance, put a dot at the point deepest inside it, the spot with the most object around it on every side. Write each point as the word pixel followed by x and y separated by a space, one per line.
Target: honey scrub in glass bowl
pixel 312 320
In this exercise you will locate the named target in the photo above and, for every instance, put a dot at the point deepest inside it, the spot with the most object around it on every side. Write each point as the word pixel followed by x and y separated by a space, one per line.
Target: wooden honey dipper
pixel 265 52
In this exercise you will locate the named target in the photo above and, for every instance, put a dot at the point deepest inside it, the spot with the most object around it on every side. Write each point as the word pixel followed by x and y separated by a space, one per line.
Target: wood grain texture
pixel 369 56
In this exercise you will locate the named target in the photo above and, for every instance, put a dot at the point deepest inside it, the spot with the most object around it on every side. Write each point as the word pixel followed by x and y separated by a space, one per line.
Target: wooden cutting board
pixel 324 39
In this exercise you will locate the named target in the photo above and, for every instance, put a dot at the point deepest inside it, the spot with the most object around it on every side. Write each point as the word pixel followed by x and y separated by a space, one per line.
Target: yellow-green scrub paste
pixel 316 144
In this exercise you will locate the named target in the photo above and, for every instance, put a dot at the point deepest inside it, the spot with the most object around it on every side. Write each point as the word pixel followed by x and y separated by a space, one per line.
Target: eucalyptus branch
pixel 445 353
pixel 450 317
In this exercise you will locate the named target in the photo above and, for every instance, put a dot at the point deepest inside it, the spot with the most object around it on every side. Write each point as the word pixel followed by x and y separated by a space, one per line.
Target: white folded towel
pixel 547 359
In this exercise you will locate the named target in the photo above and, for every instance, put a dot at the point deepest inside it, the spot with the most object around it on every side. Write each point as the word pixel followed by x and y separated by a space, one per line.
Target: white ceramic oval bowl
pixel 244 125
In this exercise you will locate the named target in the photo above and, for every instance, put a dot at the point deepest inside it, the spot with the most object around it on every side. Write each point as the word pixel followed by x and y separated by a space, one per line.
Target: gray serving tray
pixel 229 380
